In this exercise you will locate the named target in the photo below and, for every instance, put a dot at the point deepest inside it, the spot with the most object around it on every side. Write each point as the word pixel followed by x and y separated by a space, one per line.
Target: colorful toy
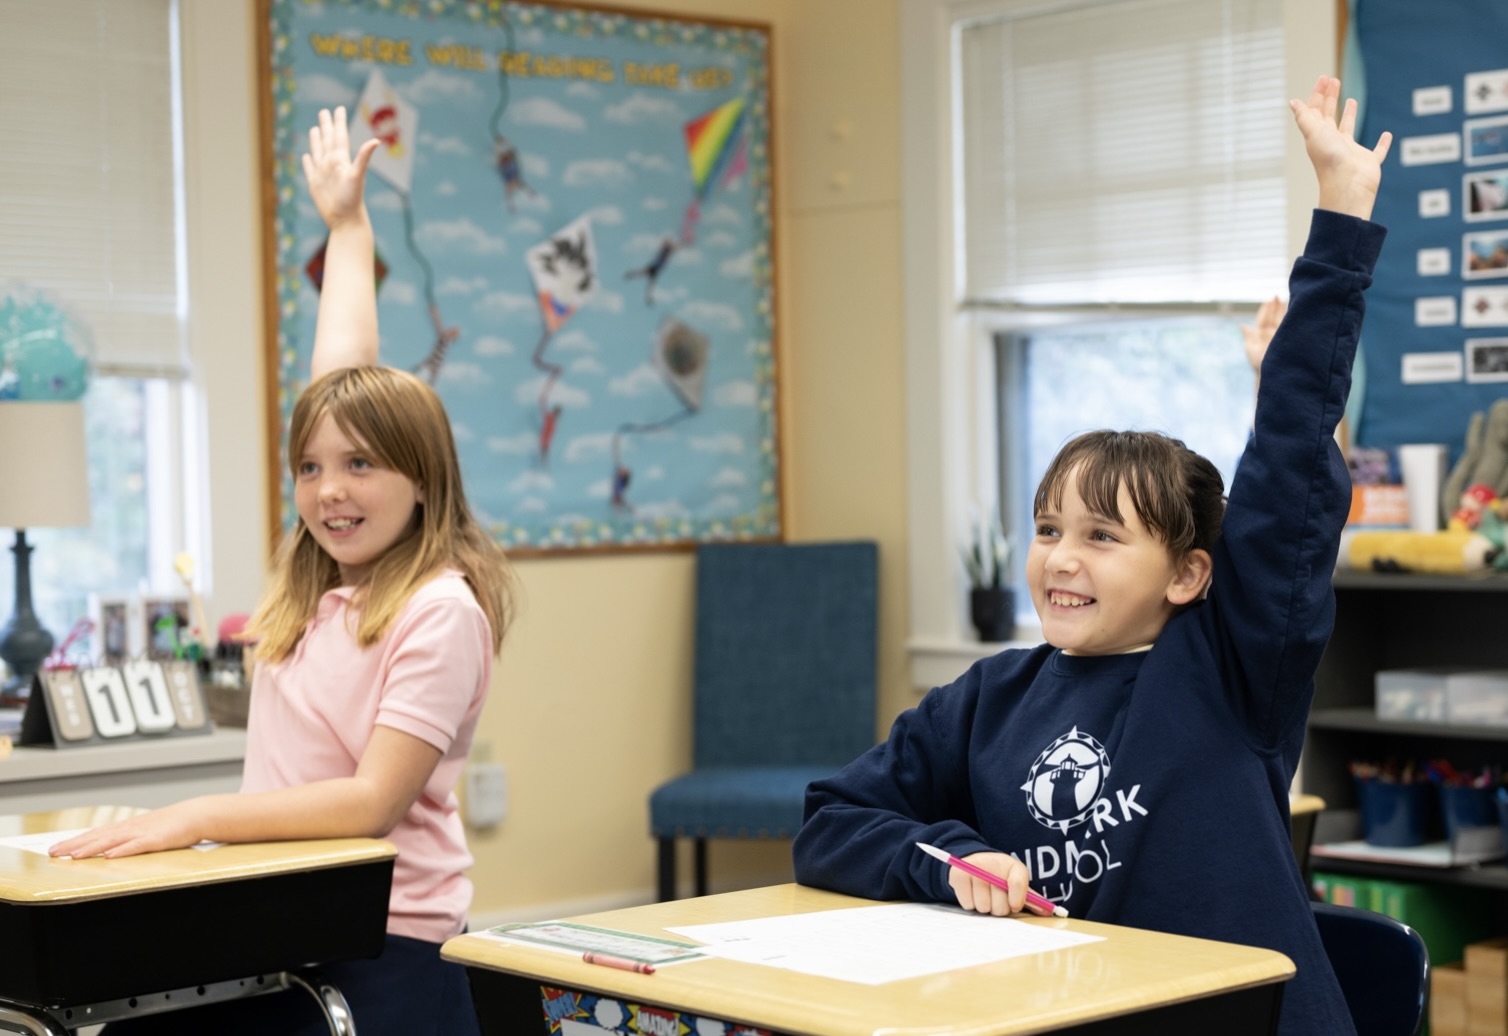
pixel 1451 552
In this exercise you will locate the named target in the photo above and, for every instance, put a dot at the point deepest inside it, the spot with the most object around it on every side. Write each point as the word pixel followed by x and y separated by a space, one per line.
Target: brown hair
pixel 403 423
pixel 1178 495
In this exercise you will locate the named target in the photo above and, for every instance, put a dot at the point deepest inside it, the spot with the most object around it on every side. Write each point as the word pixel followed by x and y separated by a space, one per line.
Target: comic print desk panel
pixel 571 1013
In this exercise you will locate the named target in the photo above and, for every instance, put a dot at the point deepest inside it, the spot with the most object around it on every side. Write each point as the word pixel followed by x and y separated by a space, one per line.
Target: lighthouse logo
pixel 1066 780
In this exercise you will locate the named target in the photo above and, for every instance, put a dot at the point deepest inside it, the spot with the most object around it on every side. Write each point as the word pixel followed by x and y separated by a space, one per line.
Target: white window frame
pixel 950 404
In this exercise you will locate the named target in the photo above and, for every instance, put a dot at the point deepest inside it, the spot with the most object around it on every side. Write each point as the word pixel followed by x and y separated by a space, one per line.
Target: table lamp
pixel 44 483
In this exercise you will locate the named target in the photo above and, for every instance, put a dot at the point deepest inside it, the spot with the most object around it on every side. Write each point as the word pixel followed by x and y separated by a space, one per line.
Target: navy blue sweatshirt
pixel 1151 789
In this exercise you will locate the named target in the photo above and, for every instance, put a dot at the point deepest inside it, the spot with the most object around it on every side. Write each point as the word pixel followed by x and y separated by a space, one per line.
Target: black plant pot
pixel 993 612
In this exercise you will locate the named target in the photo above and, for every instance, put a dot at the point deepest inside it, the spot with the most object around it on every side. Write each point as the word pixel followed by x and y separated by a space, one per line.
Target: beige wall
pixel 590 707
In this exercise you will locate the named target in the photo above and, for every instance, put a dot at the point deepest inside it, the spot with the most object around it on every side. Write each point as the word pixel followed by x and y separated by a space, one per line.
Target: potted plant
pixel 992 602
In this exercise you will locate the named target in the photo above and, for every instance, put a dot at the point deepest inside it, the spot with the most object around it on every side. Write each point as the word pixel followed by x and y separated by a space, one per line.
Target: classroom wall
pixel 590 704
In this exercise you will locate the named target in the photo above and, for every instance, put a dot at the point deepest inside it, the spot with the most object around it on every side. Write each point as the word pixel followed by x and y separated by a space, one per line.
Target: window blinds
pixel 88 192
pixel 1125 151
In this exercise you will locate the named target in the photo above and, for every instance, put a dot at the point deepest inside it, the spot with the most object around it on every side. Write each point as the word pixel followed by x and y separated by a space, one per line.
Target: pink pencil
pixel 1040 902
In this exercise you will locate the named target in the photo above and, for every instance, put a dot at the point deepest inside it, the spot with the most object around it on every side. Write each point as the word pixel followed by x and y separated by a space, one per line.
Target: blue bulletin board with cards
pixel 573 211
pixel 1435 343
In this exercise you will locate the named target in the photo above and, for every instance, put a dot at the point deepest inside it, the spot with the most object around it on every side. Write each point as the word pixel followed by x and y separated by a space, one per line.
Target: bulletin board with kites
pixel 573 211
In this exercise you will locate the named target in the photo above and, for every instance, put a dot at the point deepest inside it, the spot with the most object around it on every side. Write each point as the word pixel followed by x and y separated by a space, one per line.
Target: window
pixel 1184 376
pixel 1121 209
pixel 952 322
pixel 91 215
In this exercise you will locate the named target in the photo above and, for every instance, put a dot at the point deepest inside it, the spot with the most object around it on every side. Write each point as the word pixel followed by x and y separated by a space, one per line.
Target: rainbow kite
pixel 715 147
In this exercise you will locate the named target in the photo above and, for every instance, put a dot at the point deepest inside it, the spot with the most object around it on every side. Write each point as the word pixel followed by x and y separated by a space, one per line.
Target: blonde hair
pixel 403 423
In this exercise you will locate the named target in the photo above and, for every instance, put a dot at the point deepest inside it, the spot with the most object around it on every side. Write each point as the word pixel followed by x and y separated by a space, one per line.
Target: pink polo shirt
pixel 312 715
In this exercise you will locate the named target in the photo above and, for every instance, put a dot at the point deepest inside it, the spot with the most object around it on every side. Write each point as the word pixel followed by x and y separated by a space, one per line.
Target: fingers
pixel 1384 145
pixel 364 156
pixel 1270 315
pixel 1325 96
pixel 1348 118
pixel 330 136
pixel 342 135
pixel 1039 911
pixel 982 897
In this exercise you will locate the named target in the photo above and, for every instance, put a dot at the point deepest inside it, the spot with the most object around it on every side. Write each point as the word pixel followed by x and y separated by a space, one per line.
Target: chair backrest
pixel 1382 965
pixel 1303 814
pixel 785 653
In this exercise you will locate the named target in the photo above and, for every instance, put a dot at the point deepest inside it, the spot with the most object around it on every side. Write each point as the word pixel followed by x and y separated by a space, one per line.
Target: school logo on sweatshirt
pixel 1066 780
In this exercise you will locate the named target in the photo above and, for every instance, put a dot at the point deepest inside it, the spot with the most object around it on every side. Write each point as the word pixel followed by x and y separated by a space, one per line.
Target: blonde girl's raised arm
pixel 345 332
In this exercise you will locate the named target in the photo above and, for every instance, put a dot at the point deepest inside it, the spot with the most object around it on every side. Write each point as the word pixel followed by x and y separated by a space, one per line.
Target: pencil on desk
pixel 607 960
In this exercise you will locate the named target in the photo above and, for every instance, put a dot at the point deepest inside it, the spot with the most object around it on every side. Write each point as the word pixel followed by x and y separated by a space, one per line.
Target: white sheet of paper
pixel 878 944
pixel 40 841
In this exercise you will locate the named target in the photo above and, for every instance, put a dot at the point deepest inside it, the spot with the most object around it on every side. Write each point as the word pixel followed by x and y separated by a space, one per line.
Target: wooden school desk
pixel 1131 982
pixel 90 941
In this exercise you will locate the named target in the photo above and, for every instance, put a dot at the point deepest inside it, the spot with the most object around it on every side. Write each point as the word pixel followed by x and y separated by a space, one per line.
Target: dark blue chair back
pixel 785 653
pixel 1382 965
pixel 784 690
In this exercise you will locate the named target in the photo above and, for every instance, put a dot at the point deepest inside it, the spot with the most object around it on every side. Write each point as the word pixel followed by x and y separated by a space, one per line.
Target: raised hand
pixel 1256 336
pixel 1348 172
pixel 336 180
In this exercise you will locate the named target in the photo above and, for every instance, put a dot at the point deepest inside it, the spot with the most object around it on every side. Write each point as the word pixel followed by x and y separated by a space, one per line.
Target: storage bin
pixel 1462 806
pixel 1416 694
pixel 1477 697
pixel 1396 815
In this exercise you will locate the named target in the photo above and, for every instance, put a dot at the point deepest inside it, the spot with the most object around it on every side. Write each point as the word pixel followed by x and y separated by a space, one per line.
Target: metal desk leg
pixel 12 1020
pixel 54 1020
pixel 332 1003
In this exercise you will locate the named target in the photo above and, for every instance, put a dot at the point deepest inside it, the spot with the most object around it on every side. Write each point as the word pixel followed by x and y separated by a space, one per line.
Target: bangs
pixel 1147 465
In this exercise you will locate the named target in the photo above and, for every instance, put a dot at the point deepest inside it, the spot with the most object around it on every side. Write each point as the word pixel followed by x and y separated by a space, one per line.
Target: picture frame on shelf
pixel 164 620
pixel 117 631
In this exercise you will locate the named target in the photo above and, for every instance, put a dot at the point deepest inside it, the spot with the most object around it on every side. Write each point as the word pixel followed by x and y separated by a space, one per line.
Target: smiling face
pixel 353 506
pixel 1104 585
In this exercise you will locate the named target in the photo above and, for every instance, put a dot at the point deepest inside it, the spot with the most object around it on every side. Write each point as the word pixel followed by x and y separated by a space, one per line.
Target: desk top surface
pixel 33 878
pixel 1129 970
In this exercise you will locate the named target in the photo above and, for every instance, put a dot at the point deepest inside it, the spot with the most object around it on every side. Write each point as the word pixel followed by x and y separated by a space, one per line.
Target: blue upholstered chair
pixel 783 691
pixel 1382 965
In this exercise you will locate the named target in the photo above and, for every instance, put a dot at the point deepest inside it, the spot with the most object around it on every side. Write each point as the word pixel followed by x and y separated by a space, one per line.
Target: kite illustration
pixel 383 115
pixel 717 148
pixel 680 358
pixel 504 152
pixel 315 267
pixel 510 169
pixel 564 270
pixel 651 270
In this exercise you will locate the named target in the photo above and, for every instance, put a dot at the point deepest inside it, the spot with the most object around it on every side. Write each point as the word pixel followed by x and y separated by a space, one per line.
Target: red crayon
pixel 607 960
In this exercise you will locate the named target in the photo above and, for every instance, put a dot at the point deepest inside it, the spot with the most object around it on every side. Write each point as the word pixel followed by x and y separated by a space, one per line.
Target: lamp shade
pixel 44 465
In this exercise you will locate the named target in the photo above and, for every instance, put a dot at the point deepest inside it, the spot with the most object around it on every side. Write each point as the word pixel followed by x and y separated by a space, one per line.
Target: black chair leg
pixel 701 866
pixel 667 869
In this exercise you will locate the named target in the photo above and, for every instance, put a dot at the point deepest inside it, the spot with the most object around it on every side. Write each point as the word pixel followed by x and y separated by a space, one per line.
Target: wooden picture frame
pixel 574 217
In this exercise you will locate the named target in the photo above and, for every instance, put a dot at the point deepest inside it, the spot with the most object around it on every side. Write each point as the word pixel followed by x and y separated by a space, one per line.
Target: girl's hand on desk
pixel 172 827
pixel 982 897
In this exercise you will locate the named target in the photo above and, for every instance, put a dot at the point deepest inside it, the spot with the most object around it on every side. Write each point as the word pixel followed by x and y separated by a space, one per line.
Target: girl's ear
pixel 1191 578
